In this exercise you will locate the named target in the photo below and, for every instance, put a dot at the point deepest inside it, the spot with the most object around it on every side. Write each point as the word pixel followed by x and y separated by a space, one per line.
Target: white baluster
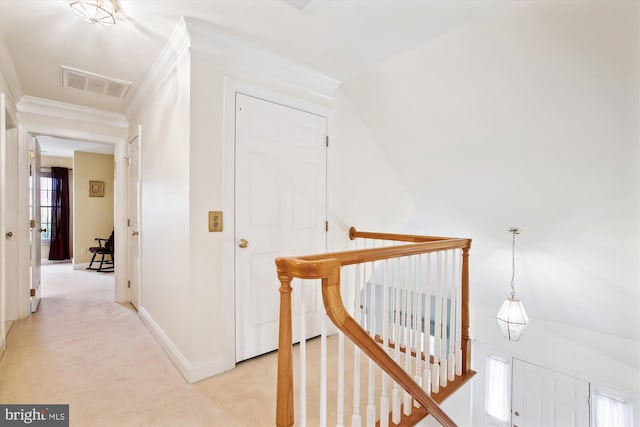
pixel 435 372
pixel 371 310
pixel 384 398
pixel 356 419
pixel 417 323
pixel 340 405
pixel 453 306
pixel 303 355
pixel 323 372
pixel 443 372
pixel 407 402
pixel 397 299
pixel 435 376
pixel 443 327
pixel 426 380
pixel 459 315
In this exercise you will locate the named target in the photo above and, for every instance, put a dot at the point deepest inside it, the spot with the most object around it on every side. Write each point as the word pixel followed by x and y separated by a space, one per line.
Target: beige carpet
pixel 83 349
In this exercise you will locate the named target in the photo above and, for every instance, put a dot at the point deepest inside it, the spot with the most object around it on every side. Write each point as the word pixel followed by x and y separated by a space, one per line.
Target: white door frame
pixel 231 87
pixel 121 293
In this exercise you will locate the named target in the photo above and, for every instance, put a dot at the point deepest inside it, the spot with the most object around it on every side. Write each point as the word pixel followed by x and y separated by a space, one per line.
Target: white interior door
pixel 280 210
pixel 3 229
pixel 11 203
pixel 36 230
pixel 542 397
pixel 134 221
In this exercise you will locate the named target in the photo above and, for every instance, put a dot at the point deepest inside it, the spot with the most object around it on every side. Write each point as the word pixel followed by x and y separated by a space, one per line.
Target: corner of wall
pixel 192 372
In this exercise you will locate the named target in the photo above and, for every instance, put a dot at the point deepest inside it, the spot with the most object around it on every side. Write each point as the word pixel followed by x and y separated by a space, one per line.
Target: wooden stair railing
pixel 327 267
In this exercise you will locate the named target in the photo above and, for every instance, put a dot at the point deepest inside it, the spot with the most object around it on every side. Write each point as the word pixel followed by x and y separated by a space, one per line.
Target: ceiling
pixel 339 38
pixel 59 147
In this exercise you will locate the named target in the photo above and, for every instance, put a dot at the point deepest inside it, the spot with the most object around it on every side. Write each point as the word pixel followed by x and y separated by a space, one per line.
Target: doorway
pixel 280 210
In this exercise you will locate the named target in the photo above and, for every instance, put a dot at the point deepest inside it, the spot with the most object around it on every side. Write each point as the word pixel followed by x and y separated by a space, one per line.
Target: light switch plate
pixel 215 221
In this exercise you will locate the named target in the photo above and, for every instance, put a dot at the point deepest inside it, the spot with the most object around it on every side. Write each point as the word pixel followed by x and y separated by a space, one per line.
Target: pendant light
pixel 101 12
pixel 512 318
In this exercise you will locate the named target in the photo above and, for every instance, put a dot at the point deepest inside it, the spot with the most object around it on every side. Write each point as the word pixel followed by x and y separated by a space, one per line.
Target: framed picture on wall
pixel 96 188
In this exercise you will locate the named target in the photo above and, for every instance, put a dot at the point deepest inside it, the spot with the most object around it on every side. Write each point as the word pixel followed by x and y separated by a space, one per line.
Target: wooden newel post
pixel 284 403
pixel 466 339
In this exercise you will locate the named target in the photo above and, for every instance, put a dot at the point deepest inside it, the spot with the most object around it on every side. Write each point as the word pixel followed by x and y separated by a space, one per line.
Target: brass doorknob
pixel 10 234
pixel 134 233
pixel 43 230
pixel 243 243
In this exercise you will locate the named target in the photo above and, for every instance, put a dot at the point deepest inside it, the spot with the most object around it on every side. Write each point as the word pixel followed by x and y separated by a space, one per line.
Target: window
pixel 498 389
pixel 609 411
pixel 46 205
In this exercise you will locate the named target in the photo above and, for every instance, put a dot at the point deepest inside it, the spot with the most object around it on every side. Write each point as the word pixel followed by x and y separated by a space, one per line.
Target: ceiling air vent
pixel 90 82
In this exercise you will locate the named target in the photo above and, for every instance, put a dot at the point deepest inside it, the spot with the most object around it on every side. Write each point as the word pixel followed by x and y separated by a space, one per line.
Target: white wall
pixel 364 191
pixel 187 170
pixel 526 118
pixel 164 234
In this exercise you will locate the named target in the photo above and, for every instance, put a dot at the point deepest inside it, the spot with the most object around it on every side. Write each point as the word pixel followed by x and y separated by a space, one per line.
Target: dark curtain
pixel 59 249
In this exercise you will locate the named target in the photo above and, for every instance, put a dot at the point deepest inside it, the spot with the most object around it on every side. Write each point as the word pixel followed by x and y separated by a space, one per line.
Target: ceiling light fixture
pixel 101 12
pixel 512 318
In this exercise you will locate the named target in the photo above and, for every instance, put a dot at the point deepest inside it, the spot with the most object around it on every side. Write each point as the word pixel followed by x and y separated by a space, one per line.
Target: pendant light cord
pixel 514 231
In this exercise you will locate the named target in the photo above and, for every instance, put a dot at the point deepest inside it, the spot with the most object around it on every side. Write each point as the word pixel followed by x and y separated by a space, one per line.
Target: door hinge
pixel 326 226
pixel 327 140
pixel 32 223
pixel 32 292
pixel 128 283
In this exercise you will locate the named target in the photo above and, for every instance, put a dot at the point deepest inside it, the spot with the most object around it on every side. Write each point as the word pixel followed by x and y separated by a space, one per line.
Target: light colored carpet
pixel 83 349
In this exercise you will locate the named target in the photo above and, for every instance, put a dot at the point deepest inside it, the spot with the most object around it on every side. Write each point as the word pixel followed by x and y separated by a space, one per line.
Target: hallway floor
pixel 84 350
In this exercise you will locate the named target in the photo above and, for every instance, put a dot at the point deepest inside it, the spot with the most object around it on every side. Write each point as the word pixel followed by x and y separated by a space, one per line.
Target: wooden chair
pixel 104 249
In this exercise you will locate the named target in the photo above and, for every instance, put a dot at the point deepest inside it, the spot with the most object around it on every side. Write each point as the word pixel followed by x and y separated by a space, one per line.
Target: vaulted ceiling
pixel 337 38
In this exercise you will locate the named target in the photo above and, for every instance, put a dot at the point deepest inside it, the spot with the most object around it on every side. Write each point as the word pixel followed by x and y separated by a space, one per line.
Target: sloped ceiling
pixel 526 118
pixel 338 38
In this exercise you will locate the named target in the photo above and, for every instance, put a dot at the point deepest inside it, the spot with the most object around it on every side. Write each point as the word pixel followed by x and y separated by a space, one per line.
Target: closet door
pixel 280 210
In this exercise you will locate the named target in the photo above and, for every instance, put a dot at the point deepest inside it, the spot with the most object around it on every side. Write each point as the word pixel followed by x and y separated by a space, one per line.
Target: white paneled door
pixel 36 226
pixel 542 397
pixel 133 221
pixel 280 210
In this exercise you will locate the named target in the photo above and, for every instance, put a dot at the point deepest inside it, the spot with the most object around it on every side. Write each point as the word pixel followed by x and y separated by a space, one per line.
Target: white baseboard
pixel 81 266
pixel 191 372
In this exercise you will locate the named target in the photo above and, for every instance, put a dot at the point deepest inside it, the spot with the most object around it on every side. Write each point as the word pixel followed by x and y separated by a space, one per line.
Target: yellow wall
pixel 93 216
pixel 61 162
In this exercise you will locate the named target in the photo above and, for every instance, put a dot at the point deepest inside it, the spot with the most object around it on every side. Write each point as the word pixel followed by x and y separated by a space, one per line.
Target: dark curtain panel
pixel 59 249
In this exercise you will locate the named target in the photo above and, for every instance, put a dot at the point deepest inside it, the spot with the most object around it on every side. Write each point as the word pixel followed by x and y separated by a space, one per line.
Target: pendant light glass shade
pixel 512 318
pixel 101 12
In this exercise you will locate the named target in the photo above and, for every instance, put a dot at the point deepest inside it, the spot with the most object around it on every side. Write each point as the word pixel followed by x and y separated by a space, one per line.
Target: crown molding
pixel 226 49
pixel 176 47
pixel 79 113
pixel 9 75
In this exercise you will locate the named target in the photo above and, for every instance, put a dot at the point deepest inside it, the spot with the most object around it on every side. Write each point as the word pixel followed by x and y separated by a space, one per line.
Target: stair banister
pixel 327 268
pixel 329 271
